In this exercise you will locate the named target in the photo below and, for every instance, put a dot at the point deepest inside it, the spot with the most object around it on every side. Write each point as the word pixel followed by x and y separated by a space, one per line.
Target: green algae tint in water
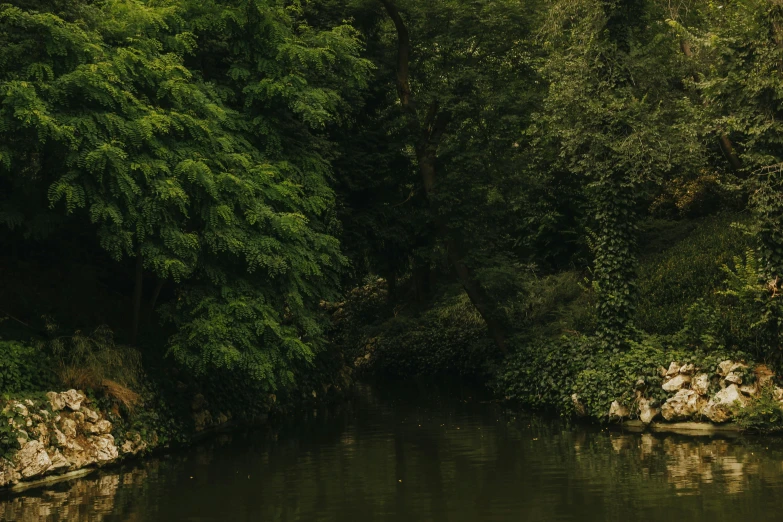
pixel 429 454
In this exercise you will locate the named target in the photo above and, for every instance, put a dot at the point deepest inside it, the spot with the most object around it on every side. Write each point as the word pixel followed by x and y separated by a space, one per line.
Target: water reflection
pixel 428 454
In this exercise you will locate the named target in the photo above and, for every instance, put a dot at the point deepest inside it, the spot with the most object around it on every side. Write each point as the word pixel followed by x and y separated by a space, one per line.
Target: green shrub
pixel 23 368
pixel 761 414
pixel 450 337
pixel 544 376
pixel 681 268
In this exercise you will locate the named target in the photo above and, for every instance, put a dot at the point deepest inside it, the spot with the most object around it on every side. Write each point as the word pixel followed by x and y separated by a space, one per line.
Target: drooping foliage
pixel 547 180
pixel 189 137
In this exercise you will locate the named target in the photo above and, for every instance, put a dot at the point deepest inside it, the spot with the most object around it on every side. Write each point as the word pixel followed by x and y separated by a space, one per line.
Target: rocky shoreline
pixel 61 434
pixel 710 398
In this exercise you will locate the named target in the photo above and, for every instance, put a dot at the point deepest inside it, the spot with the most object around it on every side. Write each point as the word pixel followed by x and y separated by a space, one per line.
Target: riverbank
pixel 67 433
pixel 648 384
pixel 419 451
pixel 49 435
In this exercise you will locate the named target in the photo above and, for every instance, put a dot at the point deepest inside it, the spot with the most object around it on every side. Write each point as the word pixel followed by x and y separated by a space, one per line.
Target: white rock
pixel 676 383
pixel 32 459
pixel 701 384
pixel 89 414
pixel 68 427
pixel 73 399
pixel 684 405
pixel 646 411
pixel 726 367
pixel 579 407
pixel 56 401
pixel 687 369
pixel 674 369
pixel 750 389
pixel 19 409
pixel 103 448
pixel 58 461
pixel 133 444
pixel 58 438
pixel 101 427
pixel 41 432
pixel 618 411
pixel 733 378
pixel 718 409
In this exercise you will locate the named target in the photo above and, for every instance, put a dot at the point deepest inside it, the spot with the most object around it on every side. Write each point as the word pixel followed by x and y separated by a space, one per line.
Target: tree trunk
pixel 137 293
pixel 428 136
pixel 154 300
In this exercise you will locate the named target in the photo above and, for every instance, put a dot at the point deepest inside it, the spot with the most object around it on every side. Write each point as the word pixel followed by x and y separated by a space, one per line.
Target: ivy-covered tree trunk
pixel 615 257
pixel 428 135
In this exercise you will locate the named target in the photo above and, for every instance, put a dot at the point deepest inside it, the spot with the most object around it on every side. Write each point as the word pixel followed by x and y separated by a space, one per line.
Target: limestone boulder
pixel 701 384
pixel 103 448
pixel 8 473
pixel 684 405
pixel 101 427
pixel 56 401
pixel 647 410
pixel 73 399
pixel 90 415
pixel 674 369
pixel 579 407
pixel 726 367
pixel 58 460
pixel 68 427
pixel 751 390
pixel 618 412
pixel 58 438
pixel 687 369
pixel 733 378
pixel 133 444
pixel 677 382
pixel 77 456
pixel 19 409
pixel 32 459
pixel 719 408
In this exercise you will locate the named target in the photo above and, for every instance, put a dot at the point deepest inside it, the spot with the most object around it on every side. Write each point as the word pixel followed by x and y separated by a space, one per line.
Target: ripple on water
pixel 428 457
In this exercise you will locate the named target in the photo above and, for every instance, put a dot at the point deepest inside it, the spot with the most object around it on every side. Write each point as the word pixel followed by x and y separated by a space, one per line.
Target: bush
pixel 761 414
pixel 23 368
pixel 94 362
pixel 682 267
pixel 544 376
pixel 448 338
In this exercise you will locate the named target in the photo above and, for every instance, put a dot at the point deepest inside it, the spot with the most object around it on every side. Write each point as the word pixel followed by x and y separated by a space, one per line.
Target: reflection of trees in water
pixel 401 459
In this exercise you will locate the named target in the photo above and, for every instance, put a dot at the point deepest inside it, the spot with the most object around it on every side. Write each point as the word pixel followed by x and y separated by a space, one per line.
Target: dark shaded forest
pixel 260 200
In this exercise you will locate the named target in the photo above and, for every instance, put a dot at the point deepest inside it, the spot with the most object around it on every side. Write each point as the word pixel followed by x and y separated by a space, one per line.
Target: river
pixel 418 452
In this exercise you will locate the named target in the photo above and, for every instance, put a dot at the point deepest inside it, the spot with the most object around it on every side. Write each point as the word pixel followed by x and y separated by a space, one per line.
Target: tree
pixel 191 136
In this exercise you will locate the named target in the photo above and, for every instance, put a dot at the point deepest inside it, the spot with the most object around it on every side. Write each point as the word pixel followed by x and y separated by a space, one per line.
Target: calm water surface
pixel 424 453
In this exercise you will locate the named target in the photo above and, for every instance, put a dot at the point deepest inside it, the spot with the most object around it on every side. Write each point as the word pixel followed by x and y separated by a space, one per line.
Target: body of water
pixel 427 453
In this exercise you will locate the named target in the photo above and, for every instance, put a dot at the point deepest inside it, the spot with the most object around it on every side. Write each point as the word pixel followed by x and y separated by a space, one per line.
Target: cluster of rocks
pixel 59 435
pixel 699 395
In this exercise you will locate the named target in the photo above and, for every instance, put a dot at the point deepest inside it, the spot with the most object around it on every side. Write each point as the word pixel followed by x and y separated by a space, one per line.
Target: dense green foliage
pixel 251 199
